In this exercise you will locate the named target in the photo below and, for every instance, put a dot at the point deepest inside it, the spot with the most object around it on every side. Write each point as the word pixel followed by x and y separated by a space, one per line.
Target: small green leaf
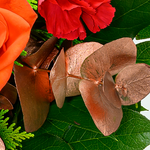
pixel 23 53
pixel 18 64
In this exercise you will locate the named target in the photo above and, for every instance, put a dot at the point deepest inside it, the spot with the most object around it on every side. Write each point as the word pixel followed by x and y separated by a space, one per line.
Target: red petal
pixel 62 23
pixel 101 19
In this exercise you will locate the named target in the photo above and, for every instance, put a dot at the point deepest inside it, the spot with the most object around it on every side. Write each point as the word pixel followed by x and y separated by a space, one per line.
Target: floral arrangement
pixel 71 74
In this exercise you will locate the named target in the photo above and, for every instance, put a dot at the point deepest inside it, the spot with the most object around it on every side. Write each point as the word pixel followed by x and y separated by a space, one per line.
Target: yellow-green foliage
pixel 10 136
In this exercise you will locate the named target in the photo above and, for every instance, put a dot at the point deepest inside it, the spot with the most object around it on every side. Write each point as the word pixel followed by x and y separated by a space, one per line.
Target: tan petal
pixel 111 57
pixel 74 59
pixel 106 117
pixel 2 146
pixel 110 91
pixel 58 79
pixel 122 52
pixel 133 83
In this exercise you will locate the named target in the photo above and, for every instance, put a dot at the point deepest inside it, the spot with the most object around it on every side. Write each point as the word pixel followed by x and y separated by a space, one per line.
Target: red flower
pixel 63 17
pixel 16 20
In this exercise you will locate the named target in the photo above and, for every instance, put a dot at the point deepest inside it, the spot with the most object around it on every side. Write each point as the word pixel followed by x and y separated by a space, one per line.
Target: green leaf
pixel 130 17
pixel 143 34
pixel 71 128
pixel 33 4
pixel 143 53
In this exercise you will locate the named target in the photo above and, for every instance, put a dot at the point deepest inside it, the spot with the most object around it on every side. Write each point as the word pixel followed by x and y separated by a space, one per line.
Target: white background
pixel 146 101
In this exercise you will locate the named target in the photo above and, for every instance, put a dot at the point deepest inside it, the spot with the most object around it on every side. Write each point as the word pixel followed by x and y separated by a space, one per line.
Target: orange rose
pixel 16 20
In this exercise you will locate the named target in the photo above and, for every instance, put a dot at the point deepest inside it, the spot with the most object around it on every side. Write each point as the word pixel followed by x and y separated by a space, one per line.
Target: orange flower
pixel 16 20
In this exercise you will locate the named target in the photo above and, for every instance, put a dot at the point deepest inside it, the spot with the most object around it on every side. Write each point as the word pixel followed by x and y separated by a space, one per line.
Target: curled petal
pixel 58 79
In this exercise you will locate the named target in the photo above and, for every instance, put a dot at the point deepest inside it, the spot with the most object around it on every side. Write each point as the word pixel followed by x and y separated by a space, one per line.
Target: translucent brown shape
pixel 35 60
pixel 112 57
pixel 10 92
pixel 34 93
pixel 2 146
pixel 33 86
pixel 58 79
pixel 133 83
pixel 74 57
pixel 5 103
pixel 105 115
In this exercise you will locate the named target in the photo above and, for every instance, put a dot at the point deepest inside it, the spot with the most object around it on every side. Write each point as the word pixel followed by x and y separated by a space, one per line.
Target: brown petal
pixel 58 79
pixel 52 55
pixel 2 146
pixel 111 57
pixel 110 91
pixel 34 93
pixel 106 117
pixel 74 59
pixel 133 83
pixel 5 103
pixel 35 60
pixel 10 92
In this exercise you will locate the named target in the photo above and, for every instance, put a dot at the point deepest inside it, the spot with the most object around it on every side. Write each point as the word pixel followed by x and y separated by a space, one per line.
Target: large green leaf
pixel 71 128
pixel 131 16
pixel 143 34
pixel 143 53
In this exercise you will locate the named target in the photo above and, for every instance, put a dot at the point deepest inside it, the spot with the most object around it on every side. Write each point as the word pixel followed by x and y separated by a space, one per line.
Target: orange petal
pixel 21 8
pixel 3 31
pixel 19 32
pixel 5 75
pixel 106 117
